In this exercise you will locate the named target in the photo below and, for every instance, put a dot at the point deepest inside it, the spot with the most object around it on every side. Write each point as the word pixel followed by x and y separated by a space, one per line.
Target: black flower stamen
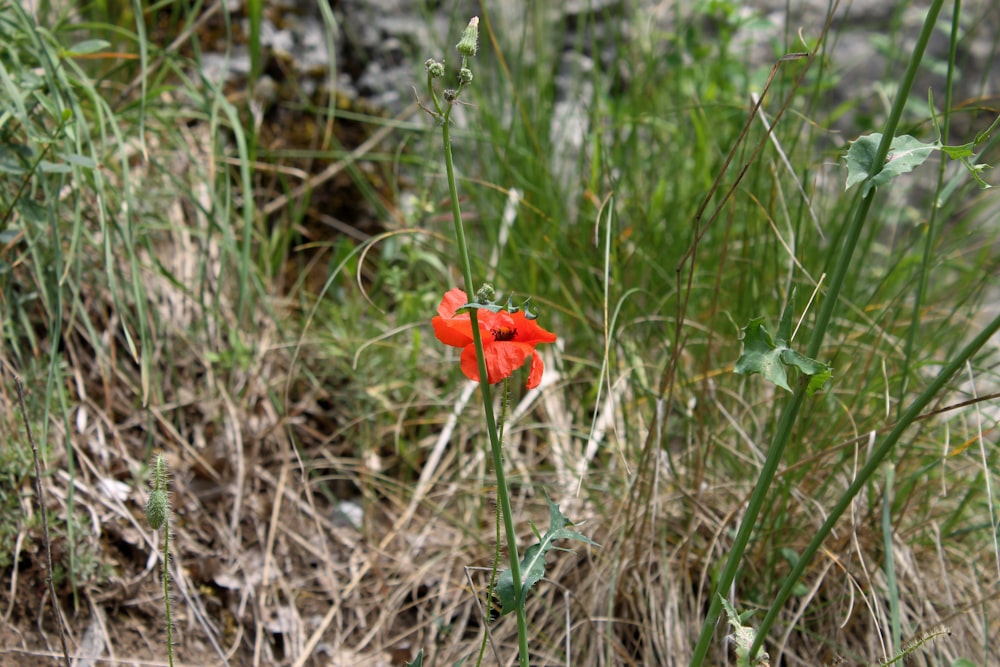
pixel 503 333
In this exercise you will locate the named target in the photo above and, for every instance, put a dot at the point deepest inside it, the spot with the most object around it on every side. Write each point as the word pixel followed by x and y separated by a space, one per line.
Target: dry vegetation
pixel 334 504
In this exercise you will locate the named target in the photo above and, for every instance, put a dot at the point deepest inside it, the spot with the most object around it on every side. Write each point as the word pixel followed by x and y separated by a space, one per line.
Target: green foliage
pixel 49 174
pixel 905 155
pixel 15 478
pixel 533 562
pixel 770 357
pixel 742 637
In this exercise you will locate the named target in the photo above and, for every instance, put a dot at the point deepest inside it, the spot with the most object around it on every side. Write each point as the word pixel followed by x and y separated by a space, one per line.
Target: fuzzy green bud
pixel 465 76
pixel 158 504
pixel 486 294
pixel 469 43
pixel 434 68
pixel 156 509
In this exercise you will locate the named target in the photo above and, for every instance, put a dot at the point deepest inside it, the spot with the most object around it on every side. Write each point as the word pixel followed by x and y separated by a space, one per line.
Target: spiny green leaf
pixel 790 357
pixel 957 152
pixel 761 354
pixel 731 613
pixel 743 636
pixel 533 563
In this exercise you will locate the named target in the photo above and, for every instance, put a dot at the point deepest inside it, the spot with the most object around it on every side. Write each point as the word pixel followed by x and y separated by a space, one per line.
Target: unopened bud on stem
pixel 486 293
pixel 434 68
pixel 469 43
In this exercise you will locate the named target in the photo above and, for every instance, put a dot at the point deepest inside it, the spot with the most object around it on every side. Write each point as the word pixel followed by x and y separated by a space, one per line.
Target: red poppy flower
pixel 508 339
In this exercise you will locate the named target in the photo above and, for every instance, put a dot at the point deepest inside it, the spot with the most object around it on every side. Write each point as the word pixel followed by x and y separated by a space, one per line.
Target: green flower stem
pixel 783 432
pixel 503 491
pixel 166 592
pixel 504 406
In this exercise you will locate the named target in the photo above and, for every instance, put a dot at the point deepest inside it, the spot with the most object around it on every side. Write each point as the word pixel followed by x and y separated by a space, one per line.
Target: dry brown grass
pixel 269 570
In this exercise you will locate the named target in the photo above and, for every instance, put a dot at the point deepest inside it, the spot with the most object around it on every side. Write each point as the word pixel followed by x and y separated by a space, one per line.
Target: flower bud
pixel 465 76
pixel 469 43
pixel 158 504
pixel 156 509
pixel 434 68
pixel 486 293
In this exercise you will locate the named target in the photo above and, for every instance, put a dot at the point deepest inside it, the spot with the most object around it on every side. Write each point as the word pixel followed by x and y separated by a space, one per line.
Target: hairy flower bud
pixel 156 509
pixel 469 43
pixel 158 504
pixel 434 68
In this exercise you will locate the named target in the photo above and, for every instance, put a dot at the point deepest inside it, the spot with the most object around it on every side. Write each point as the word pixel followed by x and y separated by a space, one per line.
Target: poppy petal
pixel 469 364
pixel 452 301
pixel 454 332
pixel 502 359
pixel 528 331
pixel 536 372
pixel 509 339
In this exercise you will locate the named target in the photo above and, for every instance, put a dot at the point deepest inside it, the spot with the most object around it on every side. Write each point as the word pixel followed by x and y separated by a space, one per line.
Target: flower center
pixel 503 333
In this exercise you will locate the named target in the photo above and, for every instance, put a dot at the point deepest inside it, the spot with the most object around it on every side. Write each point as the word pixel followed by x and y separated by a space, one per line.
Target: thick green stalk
pixel 889 566
pixel 783 432
pixel 875 461
pixel 503 492
pixel 781 438
pixel 930 235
